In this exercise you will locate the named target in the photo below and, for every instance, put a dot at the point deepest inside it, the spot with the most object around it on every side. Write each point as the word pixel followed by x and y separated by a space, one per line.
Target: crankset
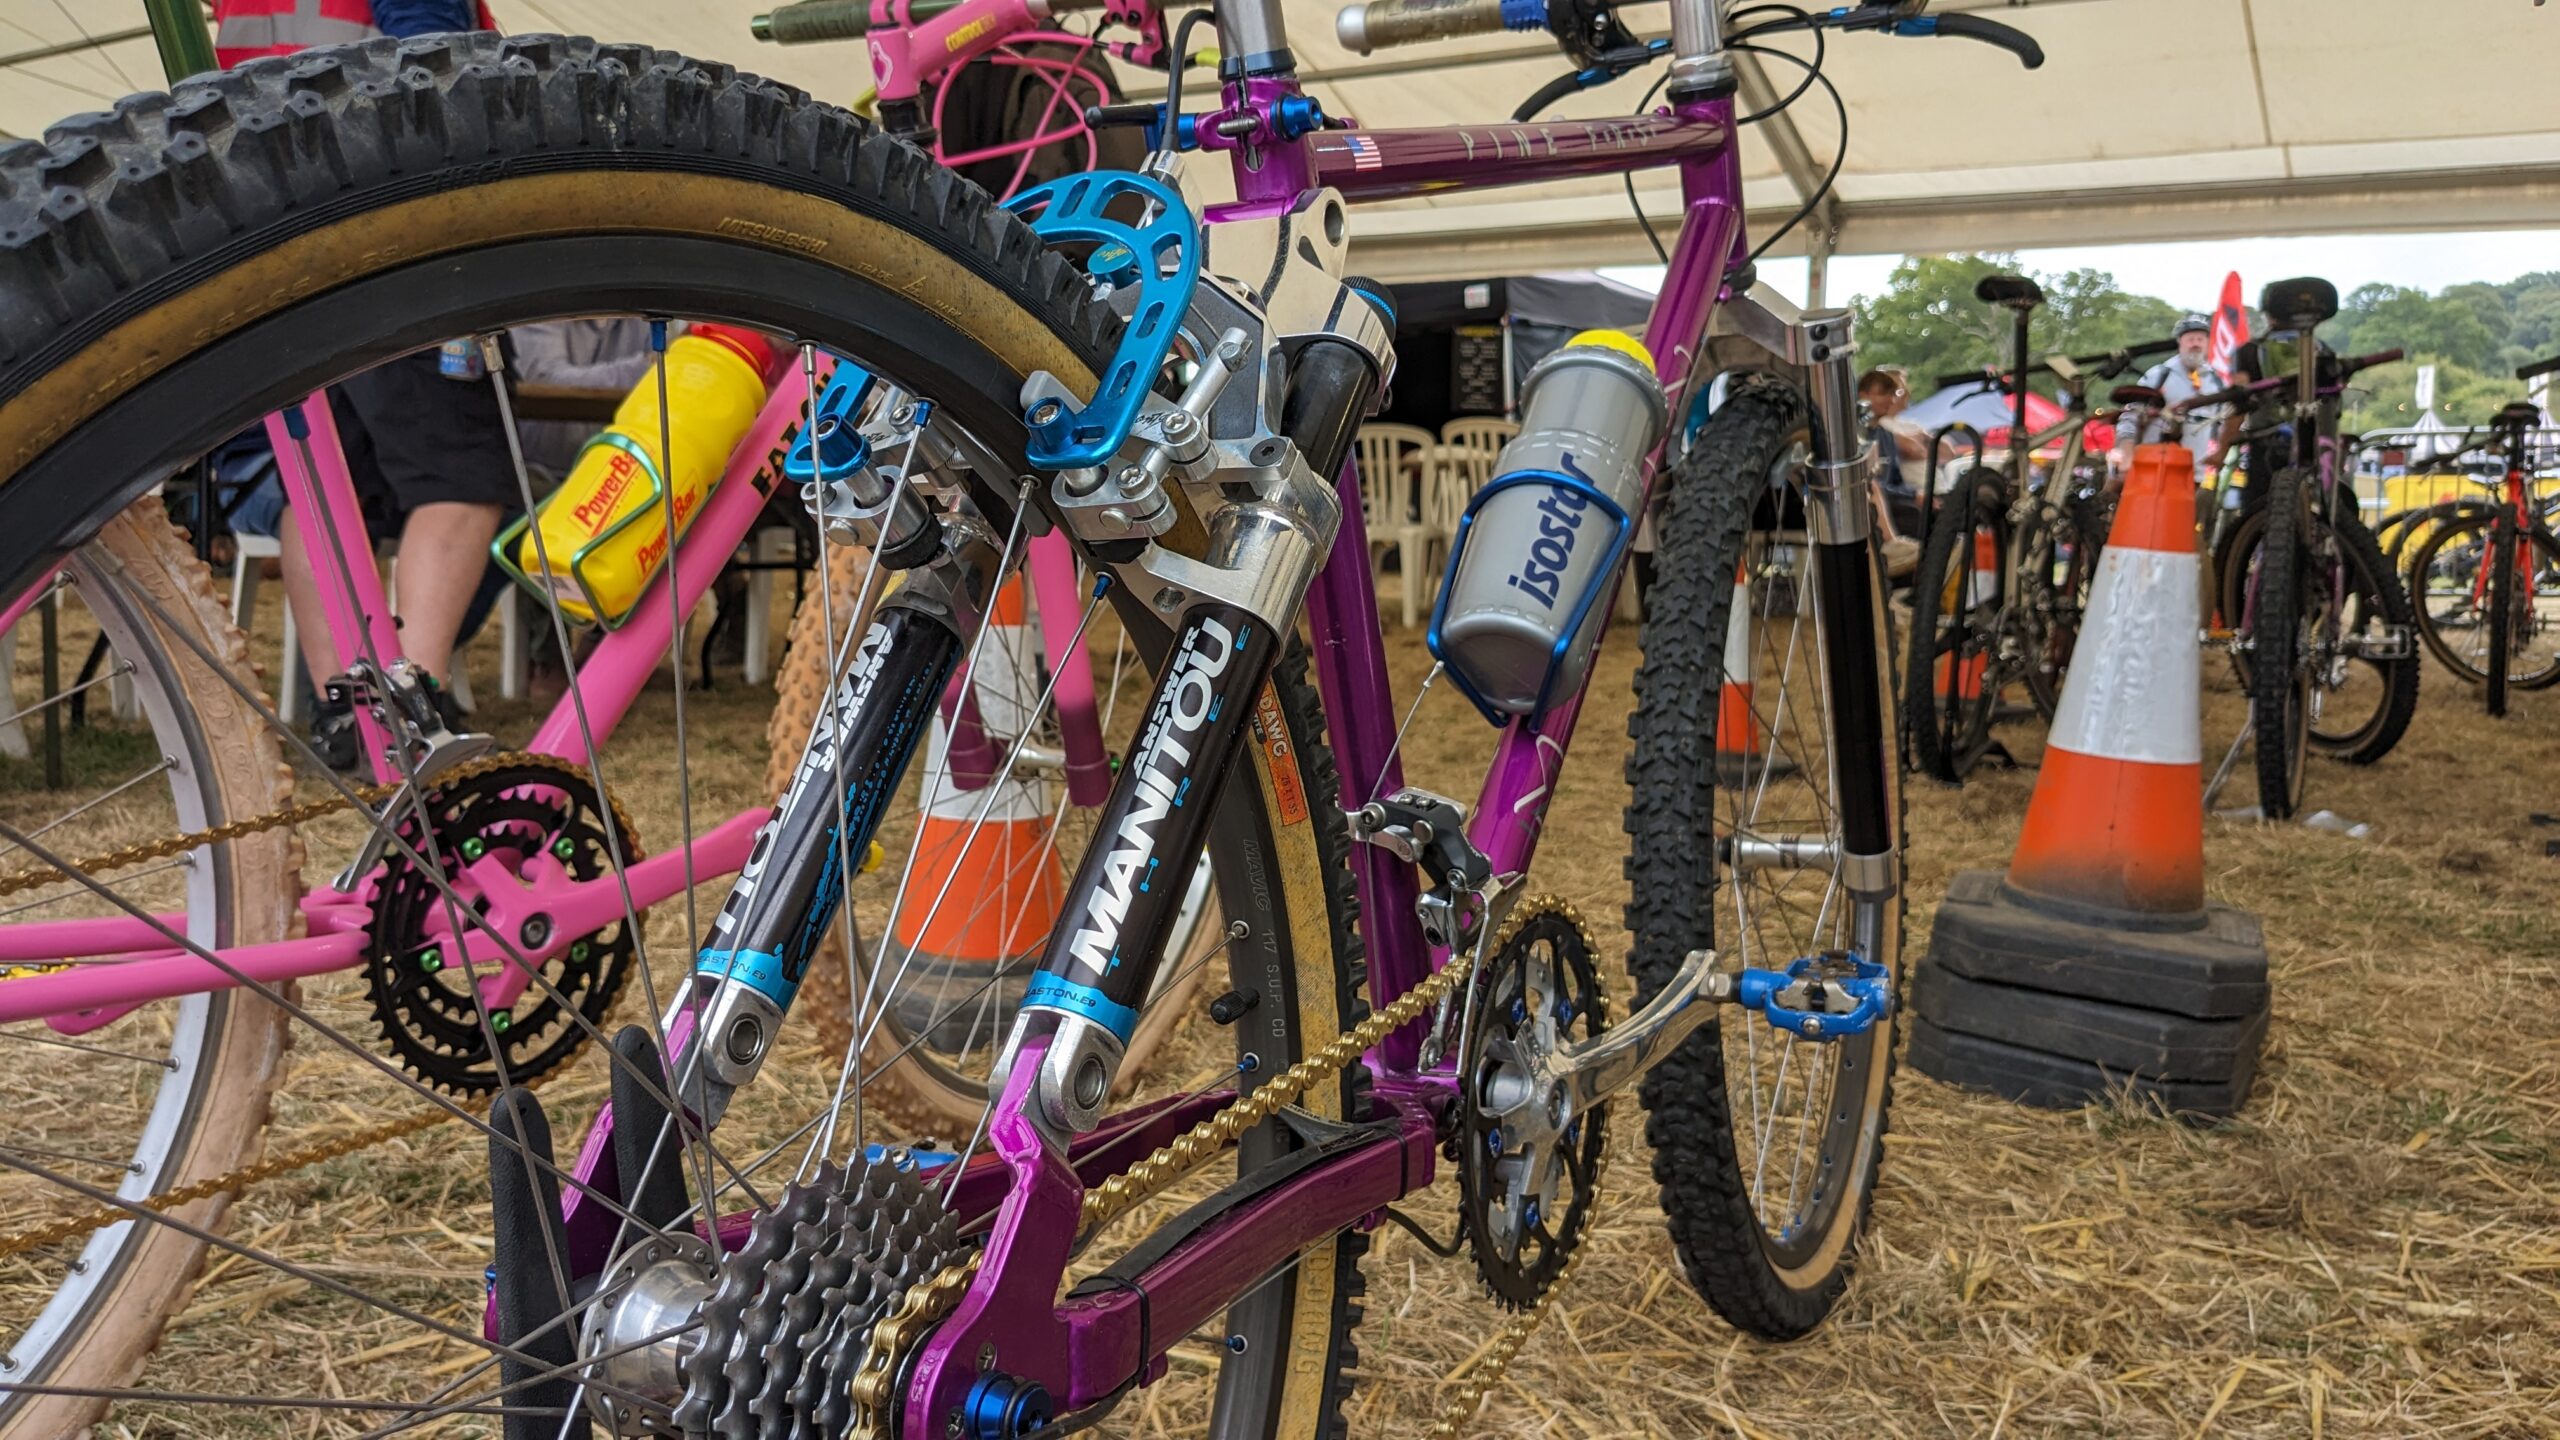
pixel 466 1028
pixel 1528 1169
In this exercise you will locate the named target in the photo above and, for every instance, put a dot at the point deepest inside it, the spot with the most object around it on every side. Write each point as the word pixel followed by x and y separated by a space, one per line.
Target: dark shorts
pixel 414 437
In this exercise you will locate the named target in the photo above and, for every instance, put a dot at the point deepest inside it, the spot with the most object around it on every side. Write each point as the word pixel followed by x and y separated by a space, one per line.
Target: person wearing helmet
pixel 2180 377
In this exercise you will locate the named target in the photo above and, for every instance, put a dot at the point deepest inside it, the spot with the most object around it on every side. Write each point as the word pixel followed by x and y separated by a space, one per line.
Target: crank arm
pixel 1818 997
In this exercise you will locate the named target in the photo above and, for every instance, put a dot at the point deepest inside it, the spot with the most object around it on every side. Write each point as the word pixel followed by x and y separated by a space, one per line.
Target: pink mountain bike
pixel 739 1245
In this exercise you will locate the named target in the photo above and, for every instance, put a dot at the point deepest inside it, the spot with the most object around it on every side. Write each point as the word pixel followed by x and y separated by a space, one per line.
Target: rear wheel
pixel 1765 1145
pixel 181 277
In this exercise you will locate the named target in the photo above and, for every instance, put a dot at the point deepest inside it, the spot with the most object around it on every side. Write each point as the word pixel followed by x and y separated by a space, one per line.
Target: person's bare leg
pixel 303 595
pixel 444 550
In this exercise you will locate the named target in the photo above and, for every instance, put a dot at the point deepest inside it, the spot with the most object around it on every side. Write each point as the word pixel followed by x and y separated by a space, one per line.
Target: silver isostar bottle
pixel 1541 537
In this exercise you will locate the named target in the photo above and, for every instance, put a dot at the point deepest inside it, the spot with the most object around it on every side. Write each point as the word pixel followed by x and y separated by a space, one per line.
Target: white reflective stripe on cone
pixel 2131 690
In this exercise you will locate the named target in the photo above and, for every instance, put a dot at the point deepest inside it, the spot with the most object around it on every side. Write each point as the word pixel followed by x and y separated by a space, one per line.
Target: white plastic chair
pixel 1392 467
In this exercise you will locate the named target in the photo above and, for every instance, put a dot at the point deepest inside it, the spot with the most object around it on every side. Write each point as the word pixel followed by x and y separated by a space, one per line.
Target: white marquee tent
pixel 2152 120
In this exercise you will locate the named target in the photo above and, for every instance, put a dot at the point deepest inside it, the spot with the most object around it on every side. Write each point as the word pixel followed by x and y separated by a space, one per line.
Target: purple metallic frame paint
pixel 1090 1345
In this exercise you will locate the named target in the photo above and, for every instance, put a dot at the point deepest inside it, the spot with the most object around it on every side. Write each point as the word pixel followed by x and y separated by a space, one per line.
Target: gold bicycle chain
pixel 72 1227
pixel 930 1303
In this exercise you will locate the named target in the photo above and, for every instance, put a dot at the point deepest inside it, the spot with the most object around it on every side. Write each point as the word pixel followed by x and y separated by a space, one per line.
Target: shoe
pixel 334 737
pixel 1901 557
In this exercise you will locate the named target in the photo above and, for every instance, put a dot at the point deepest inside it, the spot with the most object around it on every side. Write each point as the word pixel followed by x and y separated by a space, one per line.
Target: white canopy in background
pixel 2152 120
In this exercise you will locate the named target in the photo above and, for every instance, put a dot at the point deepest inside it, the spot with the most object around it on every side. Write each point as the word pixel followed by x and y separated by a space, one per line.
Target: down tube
pixel 1529 758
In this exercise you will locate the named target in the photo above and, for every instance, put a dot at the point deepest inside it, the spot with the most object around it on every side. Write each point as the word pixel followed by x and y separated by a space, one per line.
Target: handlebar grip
pixel 1991 32
pixel 2538 367
pixel 2367 362
pixel 811 21
pixel 1380 23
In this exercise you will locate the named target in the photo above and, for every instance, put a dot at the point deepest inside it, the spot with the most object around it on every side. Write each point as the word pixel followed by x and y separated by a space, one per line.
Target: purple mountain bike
pixel 738 1245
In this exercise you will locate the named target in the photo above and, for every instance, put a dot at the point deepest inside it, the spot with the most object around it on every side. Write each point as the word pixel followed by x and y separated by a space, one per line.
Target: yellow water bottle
pixel 604 531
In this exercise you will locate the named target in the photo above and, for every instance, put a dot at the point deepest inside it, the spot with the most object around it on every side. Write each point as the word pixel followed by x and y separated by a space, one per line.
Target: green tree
pixel 1928 321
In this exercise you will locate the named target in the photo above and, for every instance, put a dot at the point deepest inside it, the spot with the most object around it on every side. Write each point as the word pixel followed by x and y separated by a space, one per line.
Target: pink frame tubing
pixel 131 962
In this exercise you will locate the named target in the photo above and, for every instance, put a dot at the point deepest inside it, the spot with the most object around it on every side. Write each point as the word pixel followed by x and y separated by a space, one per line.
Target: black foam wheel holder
pixel 529 1258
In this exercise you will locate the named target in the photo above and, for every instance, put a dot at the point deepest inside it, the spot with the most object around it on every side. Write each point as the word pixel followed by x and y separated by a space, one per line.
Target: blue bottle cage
pixel 833 435
pixel 1161 258
pixel 1600 580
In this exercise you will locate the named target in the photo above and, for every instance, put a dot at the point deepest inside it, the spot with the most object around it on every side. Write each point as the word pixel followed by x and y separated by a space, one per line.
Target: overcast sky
pixel 2190 275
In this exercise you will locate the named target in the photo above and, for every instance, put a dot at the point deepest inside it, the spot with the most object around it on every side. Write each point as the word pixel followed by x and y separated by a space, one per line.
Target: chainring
pixel 425 1002
pixel 1517 1157
pixel 791 1311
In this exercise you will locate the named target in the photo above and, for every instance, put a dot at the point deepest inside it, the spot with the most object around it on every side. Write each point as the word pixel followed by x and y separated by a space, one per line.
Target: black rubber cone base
pixel 2060 1007
pixel 2058 1082
pixel 2215 969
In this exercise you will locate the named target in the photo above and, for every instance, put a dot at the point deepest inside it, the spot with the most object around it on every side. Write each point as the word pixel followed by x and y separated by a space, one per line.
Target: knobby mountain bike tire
pixel 1773 1269
pixel 2279 709
pixel 185 264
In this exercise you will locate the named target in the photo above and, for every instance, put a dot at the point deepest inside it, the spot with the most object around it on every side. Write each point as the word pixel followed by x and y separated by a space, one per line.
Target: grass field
pixel 2372 1249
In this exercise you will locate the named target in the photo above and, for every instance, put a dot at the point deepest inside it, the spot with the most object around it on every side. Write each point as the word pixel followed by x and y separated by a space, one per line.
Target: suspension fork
pixel 1839 485
pixel 780 905
pixel 1231 607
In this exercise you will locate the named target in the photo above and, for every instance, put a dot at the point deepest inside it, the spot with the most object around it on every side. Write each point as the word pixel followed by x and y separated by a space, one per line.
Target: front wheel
pixel 2355 631
pixel 1765 1145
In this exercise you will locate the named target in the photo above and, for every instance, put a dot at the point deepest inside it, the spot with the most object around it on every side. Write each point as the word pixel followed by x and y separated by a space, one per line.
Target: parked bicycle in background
pixel 2004 573
pixel 2487 575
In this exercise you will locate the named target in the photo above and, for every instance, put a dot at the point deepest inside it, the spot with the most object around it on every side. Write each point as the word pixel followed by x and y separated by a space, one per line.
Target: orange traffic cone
pixel 987 885
pixel 2096 964
pixel 1738 738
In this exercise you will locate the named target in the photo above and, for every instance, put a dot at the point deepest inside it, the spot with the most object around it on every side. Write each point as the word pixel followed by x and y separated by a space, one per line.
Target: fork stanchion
pixel 2095 966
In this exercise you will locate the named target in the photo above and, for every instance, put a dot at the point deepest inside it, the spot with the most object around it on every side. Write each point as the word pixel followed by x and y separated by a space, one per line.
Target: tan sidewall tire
pixel 249 777
pixel 916 1098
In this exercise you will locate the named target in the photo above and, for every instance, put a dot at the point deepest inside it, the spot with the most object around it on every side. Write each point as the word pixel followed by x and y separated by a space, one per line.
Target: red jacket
pixel 247 29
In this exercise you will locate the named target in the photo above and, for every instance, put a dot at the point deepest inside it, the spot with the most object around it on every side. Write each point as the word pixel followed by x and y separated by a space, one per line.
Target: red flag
pixel 2230 328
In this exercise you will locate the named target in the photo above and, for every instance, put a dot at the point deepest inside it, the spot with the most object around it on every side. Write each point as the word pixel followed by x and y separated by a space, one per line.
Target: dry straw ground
pixel 2373 1249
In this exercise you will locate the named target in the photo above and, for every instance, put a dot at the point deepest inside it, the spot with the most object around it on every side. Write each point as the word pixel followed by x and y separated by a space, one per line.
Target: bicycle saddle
pixel 2520 412
pixel 2017 292
pixel 2299 304
pixel 2137 395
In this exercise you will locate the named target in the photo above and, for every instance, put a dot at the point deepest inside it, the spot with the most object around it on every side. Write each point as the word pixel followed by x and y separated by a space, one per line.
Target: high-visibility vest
pixel 248 29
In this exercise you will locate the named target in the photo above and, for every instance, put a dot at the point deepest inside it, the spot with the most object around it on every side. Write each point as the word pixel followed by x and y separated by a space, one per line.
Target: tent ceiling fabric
pixel 2151 120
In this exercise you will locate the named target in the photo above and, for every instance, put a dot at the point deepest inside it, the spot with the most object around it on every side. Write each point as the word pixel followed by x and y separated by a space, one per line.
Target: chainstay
pixel 932 1302
pixel 72 1227
pixel 34 876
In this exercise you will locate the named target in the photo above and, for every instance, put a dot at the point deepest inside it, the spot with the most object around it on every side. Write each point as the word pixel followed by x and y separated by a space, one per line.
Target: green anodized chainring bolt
pixel 500 1021
pixel 578 951
pixel 564 847
pixel 474 848
pixel 431 960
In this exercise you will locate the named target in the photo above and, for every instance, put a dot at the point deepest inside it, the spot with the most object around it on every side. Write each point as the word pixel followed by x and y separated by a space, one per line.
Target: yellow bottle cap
pixel 1618 340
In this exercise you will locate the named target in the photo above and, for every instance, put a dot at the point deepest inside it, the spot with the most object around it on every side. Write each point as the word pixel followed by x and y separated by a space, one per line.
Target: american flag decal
pixel 1365 154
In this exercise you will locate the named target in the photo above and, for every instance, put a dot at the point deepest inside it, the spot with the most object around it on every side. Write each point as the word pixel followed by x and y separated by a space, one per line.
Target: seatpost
pixel 2019 443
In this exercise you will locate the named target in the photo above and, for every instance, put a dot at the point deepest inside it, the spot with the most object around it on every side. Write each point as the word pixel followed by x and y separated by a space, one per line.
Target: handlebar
pixel 1990 32
pixel 2000 377
pixel 2367 362
pixel 1377 23
pixel 2538 367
